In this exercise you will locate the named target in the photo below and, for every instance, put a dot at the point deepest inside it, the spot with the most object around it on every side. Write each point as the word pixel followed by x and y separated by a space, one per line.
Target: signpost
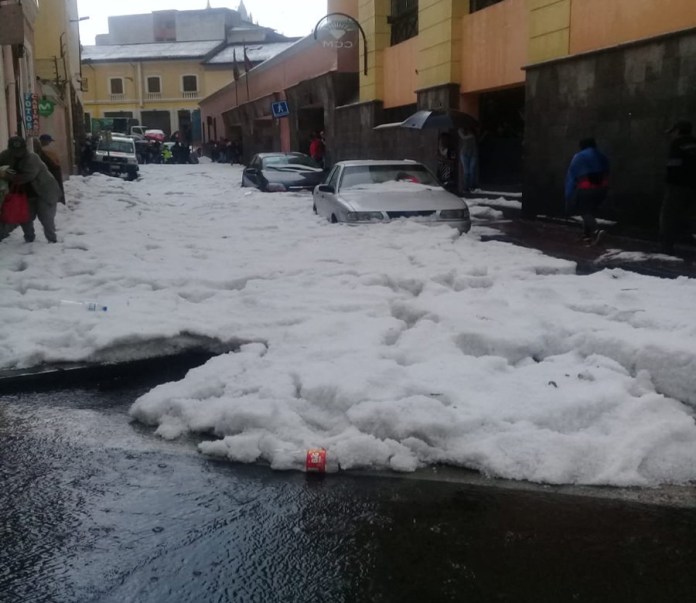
pixel 31 113
pixel 337 28
pixel 46 106
pixel 280 109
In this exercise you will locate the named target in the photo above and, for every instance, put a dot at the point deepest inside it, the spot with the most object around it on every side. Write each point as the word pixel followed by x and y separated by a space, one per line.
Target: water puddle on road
pixel 96 508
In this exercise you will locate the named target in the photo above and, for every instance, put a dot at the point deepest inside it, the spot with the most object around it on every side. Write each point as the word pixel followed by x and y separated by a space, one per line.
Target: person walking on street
pixel 52 161
pixel 86 157
pixel 468 160
pixel 586 187
pixel 680 194
pixel 41 187
pixel 317 148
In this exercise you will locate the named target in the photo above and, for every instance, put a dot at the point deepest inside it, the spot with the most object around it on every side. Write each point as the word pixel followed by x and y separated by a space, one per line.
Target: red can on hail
pixel 316 460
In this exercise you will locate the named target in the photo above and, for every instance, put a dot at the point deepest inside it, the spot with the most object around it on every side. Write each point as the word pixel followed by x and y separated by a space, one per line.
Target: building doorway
pixel 309 120
pixel 501 119
pixel 157 120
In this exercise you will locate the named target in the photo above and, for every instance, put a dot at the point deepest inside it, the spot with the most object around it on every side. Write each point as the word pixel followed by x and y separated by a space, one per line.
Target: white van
pixel 115 155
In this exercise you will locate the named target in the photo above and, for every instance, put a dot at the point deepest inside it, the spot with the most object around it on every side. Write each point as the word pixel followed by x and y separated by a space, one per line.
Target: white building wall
pixel 128 29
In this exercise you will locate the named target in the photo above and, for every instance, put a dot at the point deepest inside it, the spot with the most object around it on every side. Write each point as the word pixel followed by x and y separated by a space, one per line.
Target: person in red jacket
pixel 317 149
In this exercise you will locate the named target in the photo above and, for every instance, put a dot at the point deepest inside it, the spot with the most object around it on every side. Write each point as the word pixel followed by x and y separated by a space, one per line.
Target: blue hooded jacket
pixel 587 162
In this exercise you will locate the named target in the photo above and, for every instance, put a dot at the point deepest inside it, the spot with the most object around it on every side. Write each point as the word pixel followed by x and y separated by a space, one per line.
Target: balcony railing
pixel 186 94
pixel 117 98
pixel 153 96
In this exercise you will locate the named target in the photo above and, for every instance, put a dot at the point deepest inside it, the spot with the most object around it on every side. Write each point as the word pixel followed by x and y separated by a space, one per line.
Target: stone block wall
pixel 624 96
pixel 357 138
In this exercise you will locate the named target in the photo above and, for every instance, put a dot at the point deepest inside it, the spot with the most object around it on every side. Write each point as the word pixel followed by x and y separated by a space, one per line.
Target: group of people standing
pixel 587 180
pixel 226 151
pixel 587 186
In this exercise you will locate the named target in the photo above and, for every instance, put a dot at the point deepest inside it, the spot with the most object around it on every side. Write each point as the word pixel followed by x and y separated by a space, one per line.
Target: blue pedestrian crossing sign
pixel 280 109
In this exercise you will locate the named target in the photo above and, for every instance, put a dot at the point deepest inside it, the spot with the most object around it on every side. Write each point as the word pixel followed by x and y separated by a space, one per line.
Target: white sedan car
pixel 359 192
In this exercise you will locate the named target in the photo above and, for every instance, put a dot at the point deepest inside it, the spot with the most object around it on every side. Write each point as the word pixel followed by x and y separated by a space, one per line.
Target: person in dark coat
pixel 586 187
pixel 680 181
pixel 86 157
pixel 29 172
pixel 50 158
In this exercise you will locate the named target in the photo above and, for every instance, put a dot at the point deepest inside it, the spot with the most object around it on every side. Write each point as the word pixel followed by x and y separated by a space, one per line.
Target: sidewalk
pixel 633 250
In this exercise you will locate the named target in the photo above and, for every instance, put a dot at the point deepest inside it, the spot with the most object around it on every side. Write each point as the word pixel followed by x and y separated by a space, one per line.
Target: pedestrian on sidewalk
pixel 468 160
pixel 317 148
pixel 586 187
pixel 680 193
pixel 41 187
pixel 49 156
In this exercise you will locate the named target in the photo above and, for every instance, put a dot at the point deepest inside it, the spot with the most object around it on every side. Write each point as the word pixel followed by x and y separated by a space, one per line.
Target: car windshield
pixel 281 160
pixel 364 176
pixel 116 146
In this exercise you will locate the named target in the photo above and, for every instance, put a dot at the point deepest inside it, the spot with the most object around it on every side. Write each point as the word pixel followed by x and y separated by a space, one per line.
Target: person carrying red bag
pixel 28 171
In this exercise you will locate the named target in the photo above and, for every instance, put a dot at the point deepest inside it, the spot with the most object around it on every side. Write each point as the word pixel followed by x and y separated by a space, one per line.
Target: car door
pixel 323 200
pixel 251 173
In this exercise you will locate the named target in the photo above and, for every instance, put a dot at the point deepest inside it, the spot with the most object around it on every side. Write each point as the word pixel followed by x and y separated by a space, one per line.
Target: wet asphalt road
pixel 95 508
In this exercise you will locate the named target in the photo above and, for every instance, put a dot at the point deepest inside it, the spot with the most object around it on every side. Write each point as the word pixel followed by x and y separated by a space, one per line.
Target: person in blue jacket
pixel 586 187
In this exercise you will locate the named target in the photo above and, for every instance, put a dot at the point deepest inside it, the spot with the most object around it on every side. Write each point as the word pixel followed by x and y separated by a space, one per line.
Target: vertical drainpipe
pixel 8 64
pixel 139 65
pixel 4 128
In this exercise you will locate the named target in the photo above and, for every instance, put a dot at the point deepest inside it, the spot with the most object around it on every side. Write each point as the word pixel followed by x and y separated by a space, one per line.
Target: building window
pixel 153 84
pixel 115 85
pixel 403 20
pixel 476 5
pixel 116 89
pixel 153 87
pixel 189 86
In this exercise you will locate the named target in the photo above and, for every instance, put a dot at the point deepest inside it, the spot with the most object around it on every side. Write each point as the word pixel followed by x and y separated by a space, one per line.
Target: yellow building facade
pixel 17 66
pixel 154 68
pixel 484 45
pixel 474 56
pixel 161 93
pixel 57 66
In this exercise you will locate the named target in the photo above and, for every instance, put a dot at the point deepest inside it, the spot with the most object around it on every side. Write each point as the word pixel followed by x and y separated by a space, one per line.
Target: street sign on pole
pixel 280 109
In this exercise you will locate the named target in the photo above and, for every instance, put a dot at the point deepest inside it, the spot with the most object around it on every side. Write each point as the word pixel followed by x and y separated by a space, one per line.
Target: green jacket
pixel 33 173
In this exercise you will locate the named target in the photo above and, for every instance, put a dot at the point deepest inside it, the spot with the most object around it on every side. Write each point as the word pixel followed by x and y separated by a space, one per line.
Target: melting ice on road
pixel 394 346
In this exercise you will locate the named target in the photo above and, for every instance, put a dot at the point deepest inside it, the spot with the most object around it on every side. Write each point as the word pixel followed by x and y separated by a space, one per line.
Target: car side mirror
pixel 326 188
pixel 252 171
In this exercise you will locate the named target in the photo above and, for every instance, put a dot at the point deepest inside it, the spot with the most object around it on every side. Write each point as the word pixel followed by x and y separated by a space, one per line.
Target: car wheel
pixel 333 219
pixel 314 208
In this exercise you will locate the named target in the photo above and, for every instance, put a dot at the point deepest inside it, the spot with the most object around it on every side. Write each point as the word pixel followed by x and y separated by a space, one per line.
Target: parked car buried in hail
pixel 277 172
pixel 116 156
pixel 359 192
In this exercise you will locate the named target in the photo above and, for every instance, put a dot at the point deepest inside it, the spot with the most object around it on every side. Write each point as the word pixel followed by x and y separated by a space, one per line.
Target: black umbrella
pixel 440 120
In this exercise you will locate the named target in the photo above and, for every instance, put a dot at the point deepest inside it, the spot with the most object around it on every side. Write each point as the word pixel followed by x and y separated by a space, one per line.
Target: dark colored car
pixel 277 172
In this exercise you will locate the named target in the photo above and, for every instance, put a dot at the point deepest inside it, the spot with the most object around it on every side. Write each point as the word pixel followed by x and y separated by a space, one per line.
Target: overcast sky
pixel 290 17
